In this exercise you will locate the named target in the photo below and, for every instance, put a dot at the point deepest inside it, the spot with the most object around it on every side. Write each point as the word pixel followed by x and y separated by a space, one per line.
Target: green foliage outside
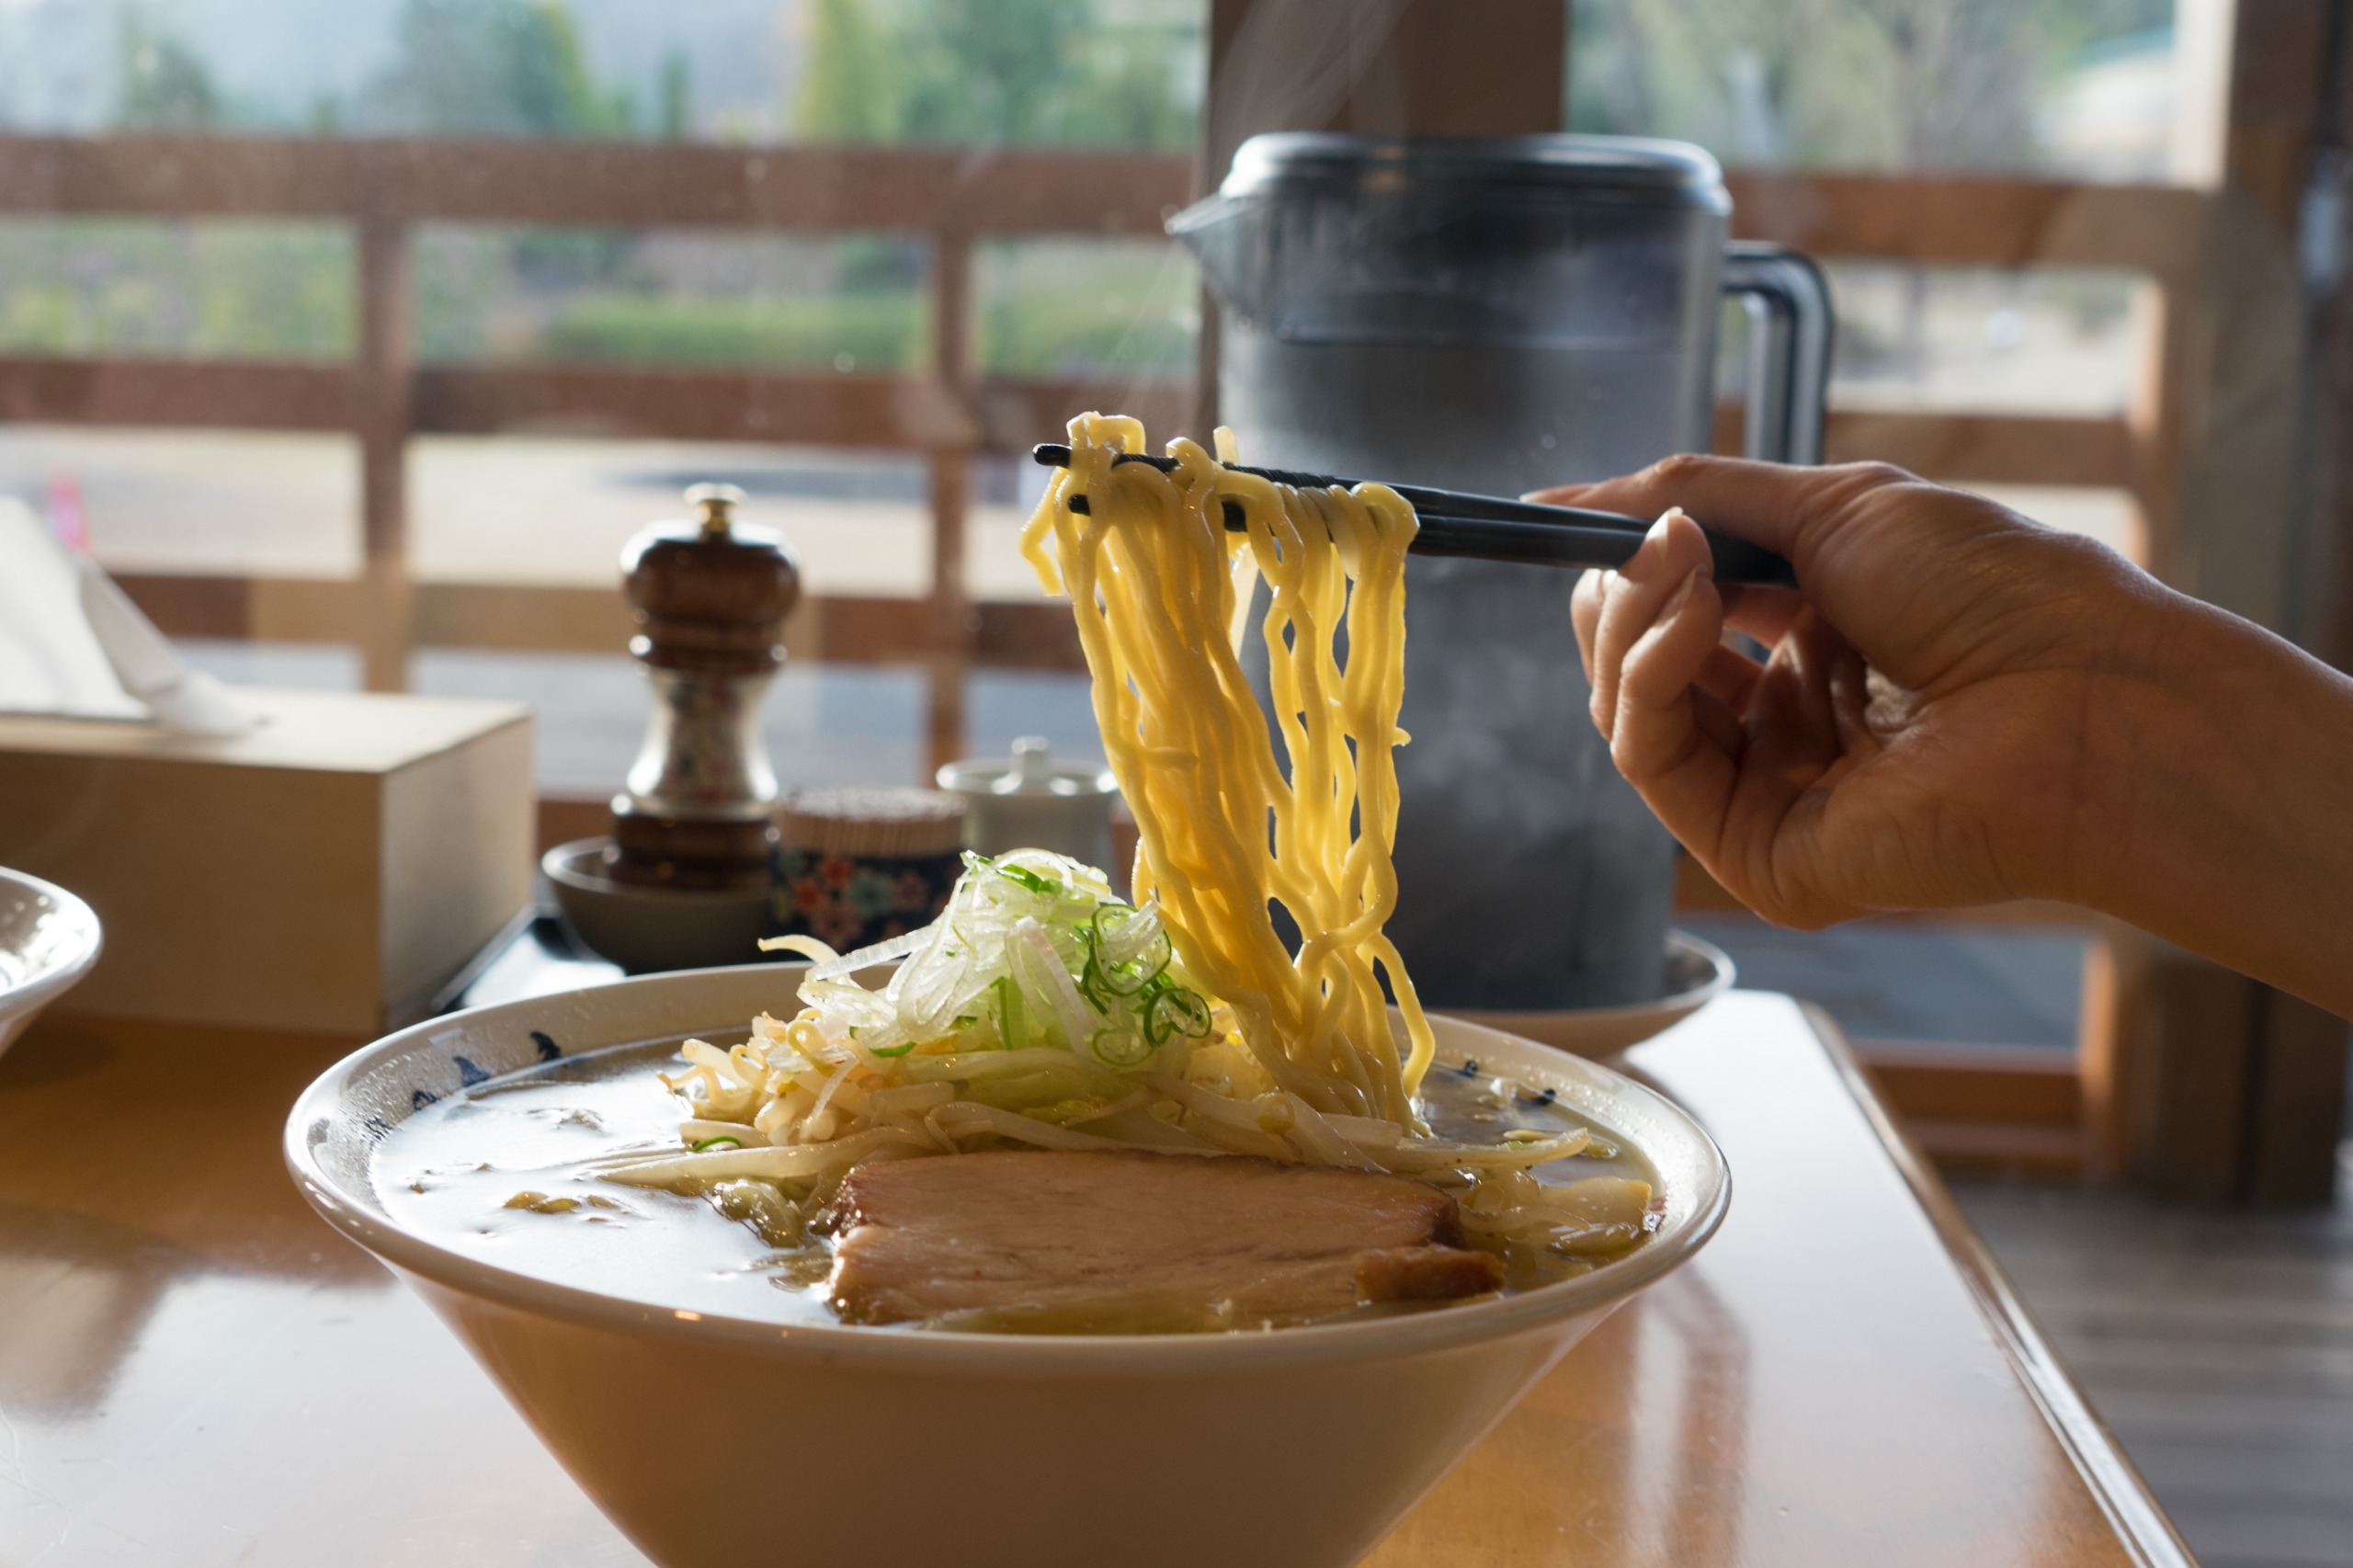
pixel 995 71
pixel 672 124
pixel 494 68
pixel 847 93
pixel 226 290
pixel 873 334
pixel 1022 71
pixel 166 86
pixel 1852 83
pixel 942 71
pixel 1042 308
pixel 1067 308
pixel 461 68
pixel 741 301
pixel 981 72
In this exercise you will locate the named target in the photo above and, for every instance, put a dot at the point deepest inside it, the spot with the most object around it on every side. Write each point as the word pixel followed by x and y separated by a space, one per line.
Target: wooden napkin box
pixel 327 872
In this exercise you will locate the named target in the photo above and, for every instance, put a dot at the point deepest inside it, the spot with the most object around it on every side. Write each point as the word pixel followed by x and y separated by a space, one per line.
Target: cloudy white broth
pixel 509 1171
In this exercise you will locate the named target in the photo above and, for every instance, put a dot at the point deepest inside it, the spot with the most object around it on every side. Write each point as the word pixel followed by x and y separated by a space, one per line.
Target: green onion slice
pixel 1121 972
pixel 1175 1010
pixel 1026 878
pixel 1120 1048
pixel 718 1141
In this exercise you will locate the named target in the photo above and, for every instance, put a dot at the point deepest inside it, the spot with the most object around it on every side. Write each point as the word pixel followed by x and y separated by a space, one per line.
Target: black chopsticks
pixel 1492 527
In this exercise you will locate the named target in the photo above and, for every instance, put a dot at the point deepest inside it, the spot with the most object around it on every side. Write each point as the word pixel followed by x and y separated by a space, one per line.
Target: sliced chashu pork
pixel 1136 1242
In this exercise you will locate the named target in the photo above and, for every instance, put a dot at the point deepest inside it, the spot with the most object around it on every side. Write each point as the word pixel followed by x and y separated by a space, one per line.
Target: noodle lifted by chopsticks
pixel 1157 582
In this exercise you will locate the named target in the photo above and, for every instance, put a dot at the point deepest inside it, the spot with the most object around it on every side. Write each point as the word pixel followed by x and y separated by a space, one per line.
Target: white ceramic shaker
pixel 1033 803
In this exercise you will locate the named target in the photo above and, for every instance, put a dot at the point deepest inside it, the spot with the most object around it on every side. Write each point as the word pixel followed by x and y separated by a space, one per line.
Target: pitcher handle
pixel 1789 348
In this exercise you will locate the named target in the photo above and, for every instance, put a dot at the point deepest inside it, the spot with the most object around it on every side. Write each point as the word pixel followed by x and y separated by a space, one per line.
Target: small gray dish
pixel 644 929
pixel 1697 973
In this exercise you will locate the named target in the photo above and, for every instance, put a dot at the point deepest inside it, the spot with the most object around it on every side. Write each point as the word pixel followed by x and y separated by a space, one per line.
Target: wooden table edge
pixel 2106 1473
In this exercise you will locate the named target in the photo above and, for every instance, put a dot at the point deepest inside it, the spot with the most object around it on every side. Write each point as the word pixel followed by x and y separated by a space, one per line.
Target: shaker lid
pixel 1034 775
pixel 1619 167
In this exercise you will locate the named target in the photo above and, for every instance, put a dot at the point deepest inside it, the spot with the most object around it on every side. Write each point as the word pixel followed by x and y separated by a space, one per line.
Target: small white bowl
pixel 649 929
pixel 890 1449
pixel 1697 973
pixel 49 939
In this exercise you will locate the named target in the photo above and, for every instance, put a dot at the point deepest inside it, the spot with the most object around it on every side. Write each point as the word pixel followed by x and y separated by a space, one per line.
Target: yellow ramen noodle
pixel 1227 829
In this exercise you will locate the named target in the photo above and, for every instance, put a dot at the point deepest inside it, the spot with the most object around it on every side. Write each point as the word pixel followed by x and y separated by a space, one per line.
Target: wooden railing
pixel 949 199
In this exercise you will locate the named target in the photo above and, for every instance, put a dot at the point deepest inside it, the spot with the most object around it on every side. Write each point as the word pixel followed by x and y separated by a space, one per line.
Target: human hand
pixel 1924 732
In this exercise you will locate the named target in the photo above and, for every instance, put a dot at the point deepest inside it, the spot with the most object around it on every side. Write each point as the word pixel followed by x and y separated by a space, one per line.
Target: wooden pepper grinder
pixel 710 596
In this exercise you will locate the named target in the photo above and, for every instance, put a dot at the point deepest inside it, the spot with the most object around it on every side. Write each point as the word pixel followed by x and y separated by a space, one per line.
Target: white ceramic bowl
pixel 890 1449
pixel 1697 973
pixel 49 939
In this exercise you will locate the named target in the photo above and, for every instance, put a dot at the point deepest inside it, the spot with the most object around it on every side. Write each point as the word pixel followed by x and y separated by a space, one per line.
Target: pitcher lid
pixel 1296 162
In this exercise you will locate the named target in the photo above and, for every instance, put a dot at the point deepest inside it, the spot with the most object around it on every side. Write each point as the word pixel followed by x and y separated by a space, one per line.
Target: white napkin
pixel 71 642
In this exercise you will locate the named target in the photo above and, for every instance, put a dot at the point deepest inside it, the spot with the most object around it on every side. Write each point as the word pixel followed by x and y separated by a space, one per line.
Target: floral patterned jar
pixel 859 866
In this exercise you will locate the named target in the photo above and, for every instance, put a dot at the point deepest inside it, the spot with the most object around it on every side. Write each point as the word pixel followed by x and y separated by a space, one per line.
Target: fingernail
pixel 1673 606
pixel 1658 529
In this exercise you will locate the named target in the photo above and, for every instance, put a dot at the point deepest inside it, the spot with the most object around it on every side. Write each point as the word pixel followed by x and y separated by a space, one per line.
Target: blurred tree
pixel 996 71
pixel 494 68
pixel 1133 99
pixel 165 85
pixel 673 97
pixel 849 92
pixel 992 72
pixel 1964 78
pixel 1912 83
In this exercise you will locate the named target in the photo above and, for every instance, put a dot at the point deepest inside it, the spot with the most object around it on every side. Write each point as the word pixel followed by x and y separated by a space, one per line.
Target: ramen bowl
pixel 1298 1447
